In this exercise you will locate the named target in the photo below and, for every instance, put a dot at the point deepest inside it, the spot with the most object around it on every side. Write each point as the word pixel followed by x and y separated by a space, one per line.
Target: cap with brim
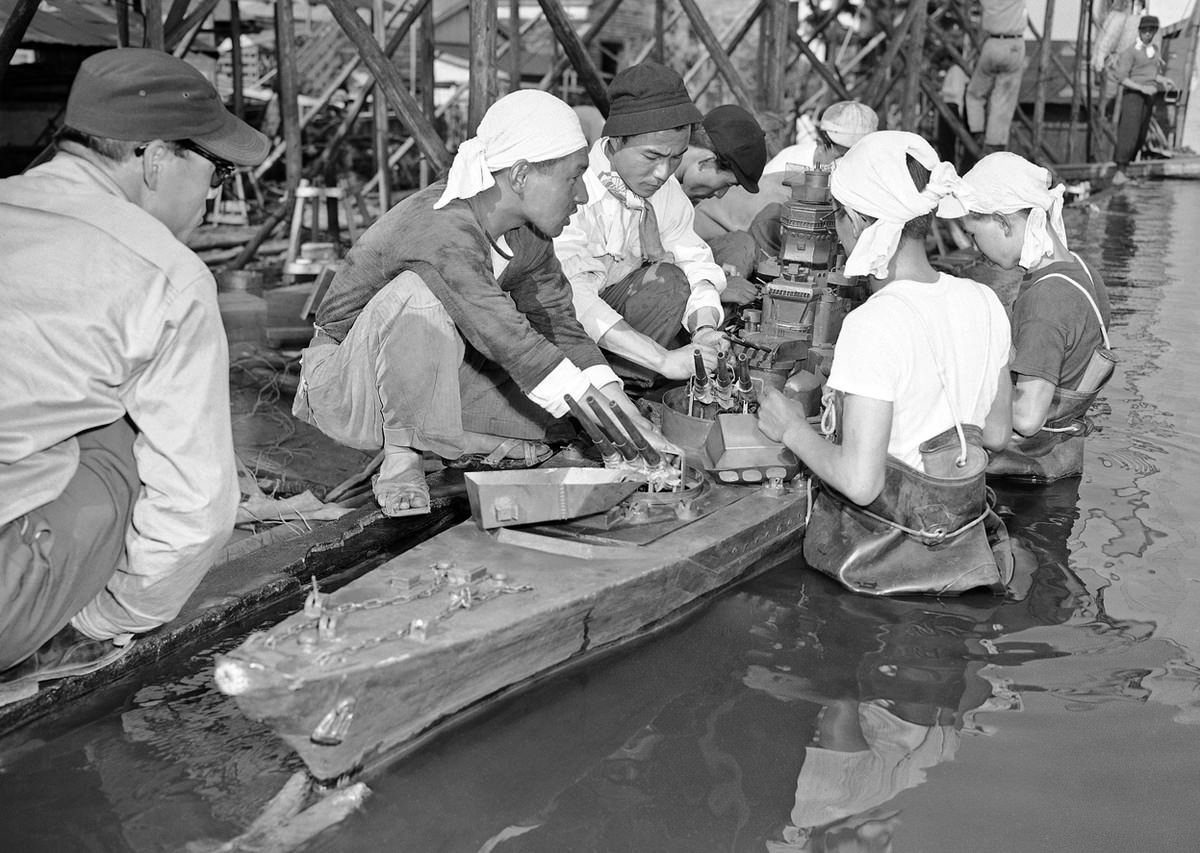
pixel 647 98
pixel 138 94
pixel 738 140
pixel 1148 22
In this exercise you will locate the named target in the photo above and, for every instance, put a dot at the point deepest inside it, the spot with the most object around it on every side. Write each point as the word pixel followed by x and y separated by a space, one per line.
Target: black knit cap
pixel 648 97
pixel 1148 22
pixel 738 139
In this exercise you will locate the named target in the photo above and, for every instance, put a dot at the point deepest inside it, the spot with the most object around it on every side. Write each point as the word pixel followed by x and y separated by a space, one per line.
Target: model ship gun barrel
pixel 613 432
pixel 700 389
pixel 607 451
pixel 745 387
pixel 724 381
pixel 644 448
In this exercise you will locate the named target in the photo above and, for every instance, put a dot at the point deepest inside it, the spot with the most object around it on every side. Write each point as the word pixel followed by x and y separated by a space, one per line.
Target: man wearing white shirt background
pixel 643 281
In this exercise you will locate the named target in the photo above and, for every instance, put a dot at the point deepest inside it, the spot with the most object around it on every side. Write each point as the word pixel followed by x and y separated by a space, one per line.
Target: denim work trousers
pixel 652 299
pixel 996 83
pixel 404 377
pixel 735 250
pixel 57 558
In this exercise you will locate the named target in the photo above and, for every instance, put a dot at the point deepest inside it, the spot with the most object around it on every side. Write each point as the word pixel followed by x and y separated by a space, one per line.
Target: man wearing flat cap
pixel 644 282
pixel 1137 69
pixel 449 329
pixel 728 150
pixel 117 482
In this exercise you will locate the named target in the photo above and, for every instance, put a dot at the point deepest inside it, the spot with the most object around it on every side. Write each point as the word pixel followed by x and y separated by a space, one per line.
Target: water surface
pixel 790 716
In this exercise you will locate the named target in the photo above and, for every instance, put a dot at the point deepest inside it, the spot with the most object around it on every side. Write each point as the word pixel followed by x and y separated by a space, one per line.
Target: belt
pixel 1005 35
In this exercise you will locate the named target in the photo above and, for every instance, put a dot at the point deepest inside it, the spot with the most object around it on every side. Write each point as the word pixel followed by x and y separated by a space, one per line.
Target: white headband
pixel 1006 183
pixel 528 124
pixel 873 178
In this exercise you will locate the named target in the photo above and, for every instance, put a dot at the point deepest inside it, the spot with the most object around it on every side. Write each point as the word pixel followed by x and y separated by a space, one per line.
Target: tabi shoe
pixel 66 654
pixel 400 487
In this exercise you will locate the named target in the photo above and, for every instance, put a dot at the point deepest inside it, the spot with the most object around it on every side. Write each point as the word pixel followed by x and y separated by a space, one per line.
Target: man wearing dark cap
pixel 727 149
pixel 117 483
pixel 1137 70
pixel 643 281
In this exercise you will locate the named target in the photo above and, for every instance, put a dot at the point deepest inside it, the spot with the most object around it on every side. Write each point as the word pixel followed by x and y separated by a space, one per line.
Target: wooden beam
pixel 878 88
pixel 175 14
pixel 660 31
pixel 173 35
pixel 952 119
pixel 14 31
pixel 288 83
pixel 152 15
pixel 514 42
pixel 389 79
pixel 831 79
pixel 235 47
pixel 910 109
pixel 586 39
pixel 782 21
pixel 565 33
pixel 730 39
pixel 708 38
pixel 380 116
pixel 1039 99
pixel 482 50
pixel 122 24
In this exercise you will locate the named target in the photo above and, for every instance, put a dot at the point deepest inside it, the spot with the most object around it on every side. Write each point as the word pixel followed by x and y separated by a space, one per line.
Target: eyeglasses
pixel 222 169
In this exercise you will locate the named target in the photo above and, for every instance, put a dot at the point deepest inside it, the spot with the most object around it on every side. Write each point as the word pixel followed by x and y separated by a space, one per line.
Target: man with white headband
pixel 920 386
pixel 449 329
pixel 1061 355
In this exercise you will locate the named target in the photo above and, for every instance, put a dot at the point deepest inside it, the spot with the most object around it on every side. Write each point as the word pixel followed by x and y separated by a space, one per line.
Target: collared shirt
pixel 107 314
pixel 601 245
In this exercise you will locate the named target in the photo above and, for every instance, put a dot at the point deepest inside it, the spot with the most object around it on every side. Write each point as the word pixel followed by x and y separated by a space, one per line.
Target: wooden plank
pixel 725 66
pixel 730 39
pixel 482 41
pixel 401 687
pixel 235 47
pixel 14 31
pixel 821 68
pixel 380 116
pixel 573 47
pixel 387 77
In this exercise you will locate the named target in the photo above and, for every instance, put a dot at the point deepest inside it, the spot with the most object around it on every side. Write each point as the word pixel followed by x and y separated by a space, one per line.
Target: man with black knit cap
pixel 117 478
pixel 728 149
pixel 643 281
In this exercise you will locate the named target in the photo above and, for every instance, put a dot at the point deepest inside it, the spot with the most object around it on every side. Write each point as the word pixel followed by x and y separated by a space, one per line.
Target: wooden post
pixel 593 29
pixel 153 16
pixel 565 33
pixel 482 43
pixel 235 35
pixel 14 31
pixel 122 24
pixel 820 67
pixel 425 49
pixel 289 90
pixel 775 55
pixel 514 45
pixel 705 33
pixel 188 26
pixel 389 78
pixel 380 116
pixel 1039 100
pixel 175 14
pixel 910 112
pixel 660 37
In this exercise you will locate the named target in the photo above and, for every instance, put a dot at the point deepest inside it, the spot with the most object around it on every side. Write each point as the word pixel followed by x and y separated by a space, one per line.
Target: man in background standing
pixel 996 83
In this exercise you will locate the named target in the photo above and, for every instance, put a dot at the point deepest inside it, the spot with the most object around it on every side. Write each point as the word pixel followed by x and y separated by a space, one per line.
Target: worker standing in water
pixel 918 388
pixel 1062 355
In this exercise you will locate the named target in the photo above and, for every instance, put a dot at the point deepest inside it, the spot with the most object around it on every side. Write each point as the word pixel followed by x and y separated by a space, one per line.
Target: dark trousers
pixel 652 299
pixel 1137 108
pixel 57 558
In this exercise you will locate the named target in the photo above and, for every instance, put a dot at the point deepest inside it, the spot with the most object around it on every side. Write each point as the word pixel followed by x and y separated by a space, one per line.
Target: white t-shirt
pixel 885 352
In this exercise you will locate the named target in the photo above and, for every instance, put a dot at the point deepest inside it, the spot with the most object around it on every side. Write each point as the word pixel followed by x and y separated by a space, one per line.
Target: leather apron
pixel 928 532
